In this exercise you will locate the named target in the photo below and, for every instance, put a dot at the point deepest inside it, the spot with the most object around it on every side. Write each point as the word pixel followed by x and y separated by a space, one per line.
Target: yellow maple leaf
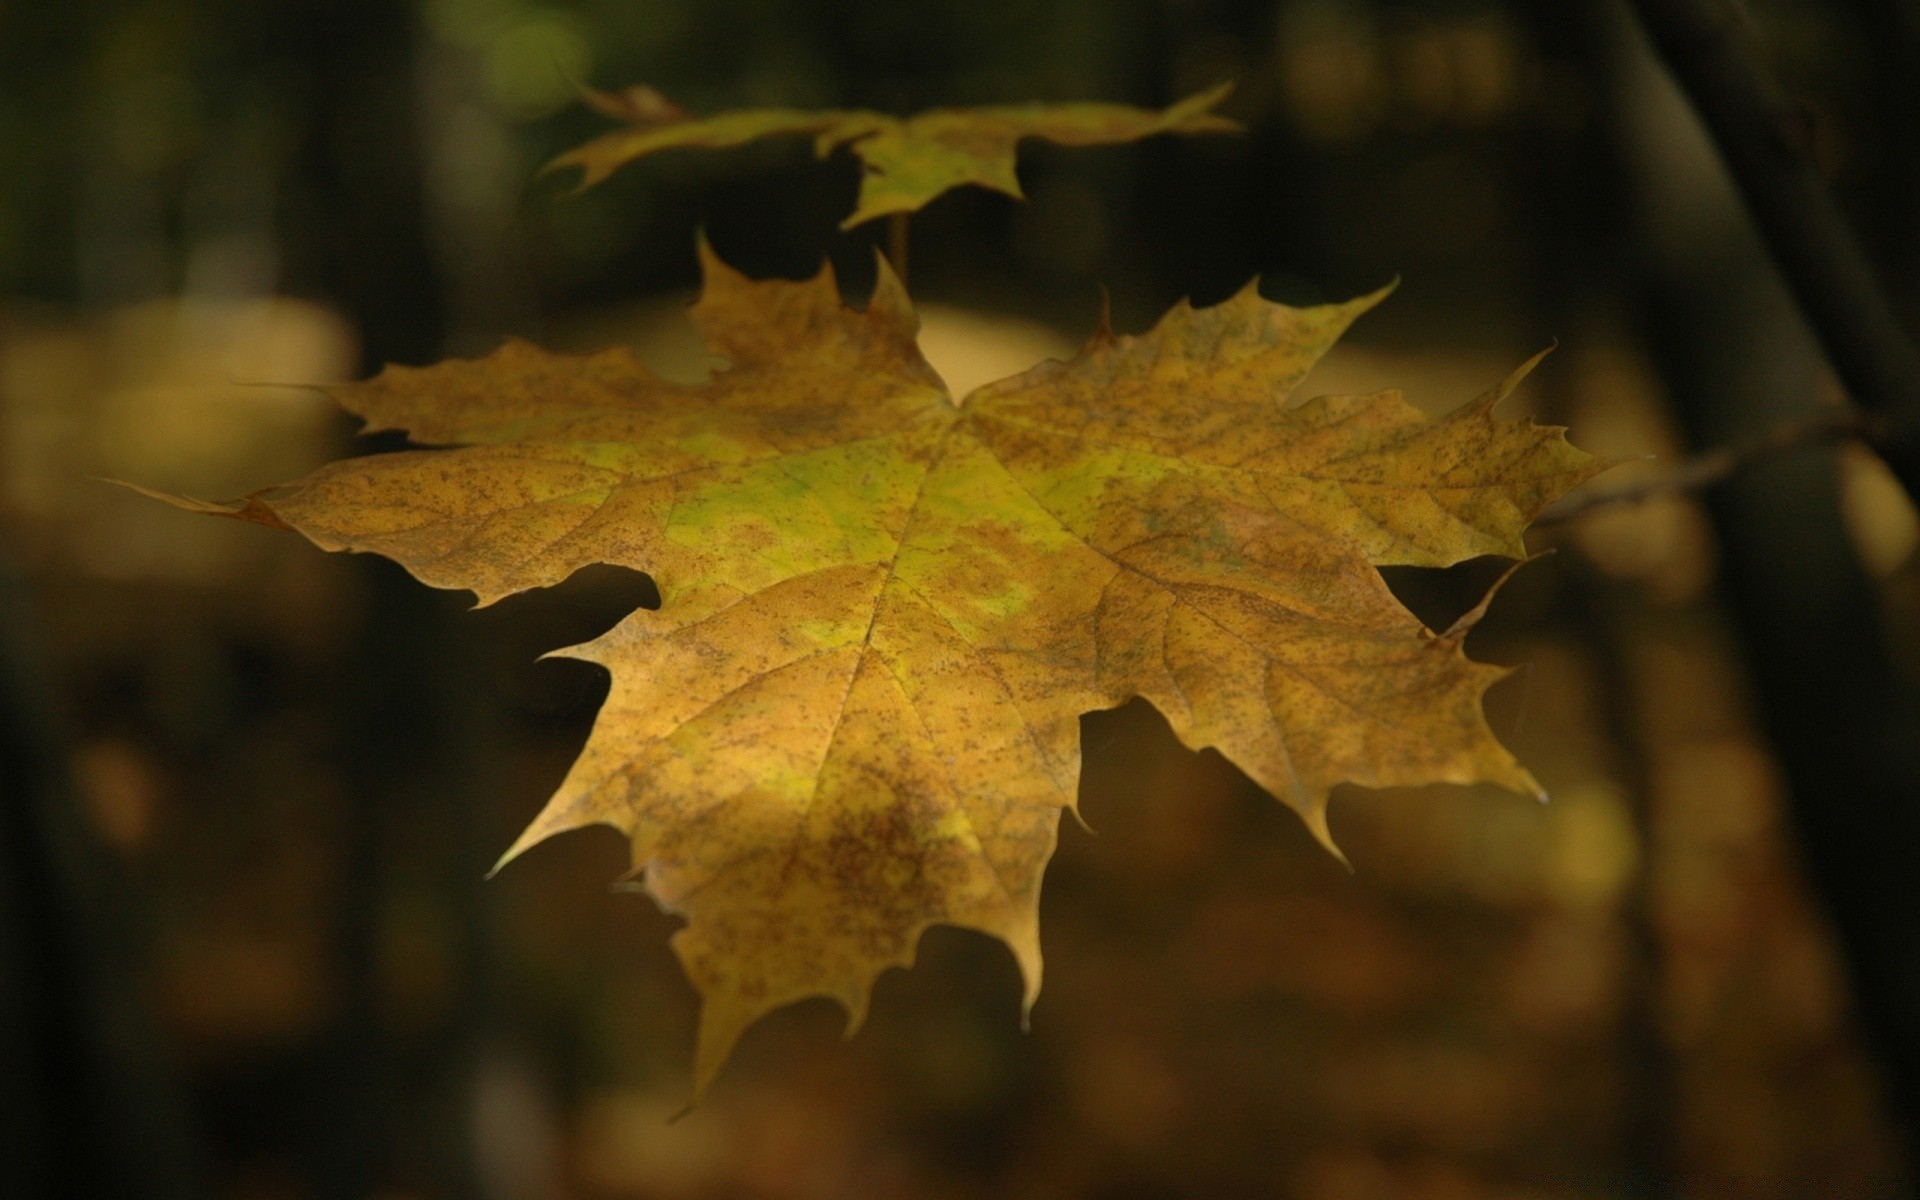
pixel 855 713
pixel 908 161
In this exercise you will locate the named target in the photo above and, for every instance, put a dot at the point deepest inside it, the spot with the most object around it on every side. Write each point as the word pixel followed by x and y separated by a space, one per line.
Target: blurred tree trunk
pixel 1579 221
pixel 90 1108
pixel 411 712
pixel 1737 359
pixel 1890 31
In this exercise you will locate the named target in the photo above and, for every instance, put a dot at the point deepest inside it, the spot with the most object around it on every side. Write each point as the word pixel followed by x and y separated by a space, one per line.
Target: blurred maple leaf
pixel 908 161
pixel 856 712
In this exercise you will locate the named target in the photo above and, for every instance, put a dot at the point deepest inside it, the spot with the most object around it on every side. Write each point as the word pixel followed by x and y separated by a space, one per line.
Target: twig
pixel 1762 136
pixel 1710 468
pixel 897 245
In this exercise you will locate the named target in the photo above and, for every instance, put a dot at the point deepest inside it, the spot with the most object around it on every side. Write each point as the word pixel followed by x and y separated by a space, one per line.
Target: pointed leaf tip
pixel 527 840
pixel 1380 293
pixel 1506 387
pixel 1464 623
pixel 251 508
pixel 890 297
pixel 857 1007
pixel 712 266
pixel 1315 816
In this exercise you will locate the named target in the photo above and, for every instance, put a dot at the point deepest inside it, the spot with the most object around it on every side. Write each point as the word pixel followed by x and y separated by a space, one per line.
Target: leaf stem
pixel 897 245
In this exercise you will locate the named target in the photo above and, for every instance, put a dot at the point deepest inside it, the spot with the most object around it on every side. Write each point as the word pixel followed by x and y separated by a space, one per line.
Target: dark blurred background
pixel 251 790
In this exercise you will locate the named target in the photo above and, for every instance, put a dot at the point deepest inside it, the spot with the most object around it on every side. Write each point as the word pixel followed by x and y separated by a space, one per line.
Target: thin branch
pixel 1761 135
pixel 897 245
pixel 1707 469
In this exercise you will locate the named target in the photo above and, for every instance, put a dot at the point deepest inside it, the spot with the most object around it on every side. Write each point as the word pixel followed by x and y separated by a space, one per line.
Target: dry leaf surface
pixel 856 712
pixel 907 161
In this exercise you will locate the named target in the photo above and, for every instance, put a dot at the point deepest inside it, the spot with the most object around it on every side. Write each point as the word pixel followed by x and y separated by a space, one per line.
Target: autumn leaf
pixel 907 161
pixel 855 713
